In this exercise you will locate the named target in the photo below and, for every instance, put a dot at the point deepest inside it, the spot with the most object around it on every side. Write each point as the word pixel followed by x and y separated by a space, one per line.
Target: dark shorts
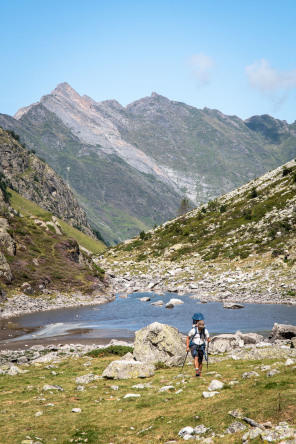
pixel 197 351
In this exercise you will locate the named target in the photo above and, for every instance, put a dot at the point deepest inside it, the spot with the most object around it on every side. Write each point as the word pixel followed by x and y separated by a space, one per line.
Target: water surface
pixel 122 317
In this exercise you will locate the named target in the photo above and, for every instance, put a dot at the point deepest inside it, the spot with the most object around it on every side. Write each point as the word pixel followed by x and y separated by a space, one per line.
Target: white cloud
pixel 201 68
pixel 267 79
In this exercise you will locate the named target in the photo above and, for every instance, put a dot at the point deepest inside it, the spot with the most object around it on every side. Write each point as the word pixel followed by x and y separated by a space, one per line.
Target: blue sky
pixel 235 56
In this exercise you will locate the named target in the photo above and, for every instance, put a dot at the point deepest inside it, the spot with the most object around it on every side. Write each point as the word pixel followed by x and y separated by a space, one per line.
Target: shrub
pixel 286 171
pixel 118 350
pixel 3 188
pixel 247 214
pixel 253 193
pixel 223 209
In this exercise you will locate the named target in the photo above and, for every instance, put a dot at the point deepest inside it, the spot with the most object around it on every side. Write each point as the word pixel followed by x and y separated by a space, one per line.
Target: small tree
pixel 184 207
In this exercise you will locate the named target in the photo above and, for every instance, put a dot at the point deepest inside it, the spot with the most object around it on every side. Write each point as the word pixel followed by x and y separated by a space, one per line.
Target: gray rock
pixel 209 394
pixel 175 301
pixel 85 379
pixel 249 338
pixel 225 342
pixel 157 303
pixel 248 375
pixel 186 431
pixel 132 395
pixel 200 430
pixel 282 331
pixel 272 373
pixel 128 370
pixel 159 343
pixel 145 299
pixel 127 357
pixel 169 305
pixel 52 387
pixel 166 388
pixel 76 410
pixel 232 305
pixel 235 427
pixel 215 385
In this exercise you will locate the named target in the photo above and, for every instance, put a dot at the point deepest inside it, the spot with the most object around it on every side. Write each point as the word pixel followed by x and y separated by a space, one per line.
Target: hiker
pixel 196 342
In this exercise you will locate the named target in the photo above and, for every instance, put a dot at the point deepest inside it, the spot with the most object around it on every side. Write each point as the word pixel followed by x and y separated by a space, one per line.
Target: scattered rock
pixel 52 387
pixel 128 369
pixel 169 305
pixel 76 410
pixel 85 379
pixel 176 301
pixel 289 361
pixel 209 394
pixel 232 305
pixel 248 375
pixel 272 373
pixel 186 431
pixel 226 342
pixel 157 303
pixel 236 414
pixel 166 388
pixel 235 427
pixel 132 395
pixel 215 385
pixel 249 338
pixel 145 299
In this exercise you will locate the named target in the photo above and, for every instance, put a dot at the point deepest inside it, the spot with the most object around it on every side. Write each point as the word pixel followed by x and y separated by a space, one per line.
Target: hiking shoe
pixel 197 372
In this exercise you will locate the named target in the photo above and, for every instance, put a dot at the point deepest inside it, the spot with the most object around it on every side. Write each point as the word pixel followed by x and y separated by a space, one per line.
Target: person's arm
pixel 187 343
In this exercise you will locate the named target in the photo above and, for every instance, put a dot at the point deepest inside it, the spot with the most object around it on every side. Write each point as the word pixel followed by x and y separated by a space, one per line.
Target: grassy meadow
pixel 106 417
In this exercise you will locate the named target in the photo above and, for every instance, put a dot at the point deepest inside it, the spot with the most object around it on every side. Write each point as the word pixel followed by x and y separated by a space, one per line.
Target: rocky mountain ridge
pixel 129 167
pixel 35 180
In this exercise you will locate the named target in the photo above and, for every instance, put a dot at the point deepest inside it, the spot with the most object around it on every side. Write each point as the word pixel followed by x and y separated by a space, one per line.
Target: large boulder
pixel 226 342
pixel 249 338
pixel 159 343
pixel 282 331
pixel 124 369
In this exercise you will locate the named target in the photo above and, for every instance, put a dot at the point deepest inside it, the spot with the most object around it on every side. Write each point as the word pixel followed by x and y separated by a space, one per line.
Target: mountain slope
pixel 35 180
pixel 245 240
pixel 39 255
pixel 129 167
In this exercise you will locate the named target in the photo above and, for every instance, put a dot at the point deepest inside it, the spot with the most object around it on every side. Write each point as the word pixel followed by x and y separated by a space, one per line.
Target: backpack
pixel 202 333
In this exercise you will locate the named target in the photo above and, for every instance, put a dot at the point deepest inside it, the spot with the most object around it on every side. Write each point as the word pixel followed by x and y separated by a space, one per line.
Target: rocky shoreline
pixel 22 304
pixel 221 288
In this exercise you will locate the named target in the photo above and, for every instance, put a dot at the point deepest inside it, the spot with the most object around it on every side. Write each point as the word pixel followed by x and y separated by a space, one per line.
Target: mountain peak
pixel 64 89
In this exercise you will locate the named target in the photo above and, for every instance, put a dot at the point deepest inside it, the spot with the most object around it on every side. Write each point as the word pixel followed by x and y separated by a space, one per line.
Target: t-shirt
pixel 200 336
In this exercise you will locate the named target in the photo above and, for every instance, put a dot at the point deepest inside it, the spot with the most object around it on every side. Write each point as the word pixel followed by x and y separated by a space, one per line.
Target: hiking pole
pixel 184 361
pixel 207 354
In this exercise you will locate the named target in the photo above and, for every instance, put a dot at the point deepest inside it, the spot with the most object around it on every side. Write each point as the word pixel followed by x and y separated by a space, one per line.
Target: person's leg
pixel 200 358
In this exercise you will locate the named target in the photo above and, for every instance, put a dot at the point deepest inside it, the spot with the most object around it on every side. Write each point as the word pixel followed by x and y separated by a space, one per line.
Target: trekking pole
pixel 207 354
pixel 184 361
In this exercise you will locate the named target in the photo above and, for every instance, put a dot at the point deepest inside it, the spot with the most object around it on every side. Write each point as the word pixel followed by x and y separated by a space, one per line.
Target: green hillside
pixel 28 208
pixel 45 252
pixel 252 227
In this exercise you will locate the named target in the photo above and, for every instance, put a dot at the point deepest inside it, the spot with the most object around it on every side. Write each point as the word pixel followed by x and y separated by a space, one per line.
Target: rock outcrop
pixel 36 181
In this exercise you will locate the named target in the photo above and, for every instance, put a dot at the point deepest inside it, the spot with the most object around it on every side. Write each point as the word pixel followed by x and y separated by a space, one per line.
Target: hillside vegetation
pixel 44 252
pixel 252 228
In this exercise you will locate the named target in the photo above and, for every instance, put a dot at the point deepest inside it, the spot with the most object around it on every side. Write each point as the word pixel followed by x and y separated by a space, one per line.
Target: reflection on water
pixel 122 317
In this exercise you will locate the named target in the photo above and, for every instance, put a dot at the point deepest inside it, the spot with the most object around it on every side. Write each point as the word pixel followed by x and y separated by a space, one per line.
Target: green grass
pixel 28 208
pixel 154 417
